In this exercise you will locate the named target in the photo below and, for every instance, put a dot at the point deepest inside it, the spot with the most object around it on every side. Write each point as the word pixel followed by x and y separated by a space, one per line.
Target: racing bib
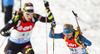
pixel 20 37
pixel 79 50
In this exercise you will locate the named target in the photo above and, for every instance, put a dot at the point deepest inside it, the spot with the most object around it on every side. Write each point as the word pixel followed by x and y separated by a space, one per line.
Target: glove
pixel 46 3
pixel 5 33
pixel 79 39
pixel 53 24
pixel 78 29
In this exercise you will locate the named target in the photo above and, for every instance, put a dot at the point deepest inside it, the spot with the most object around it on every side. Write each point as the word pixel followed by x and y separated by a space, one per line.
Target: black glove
pixel 5 33
pixel 79 39
pixel 46 3
pixel 53 24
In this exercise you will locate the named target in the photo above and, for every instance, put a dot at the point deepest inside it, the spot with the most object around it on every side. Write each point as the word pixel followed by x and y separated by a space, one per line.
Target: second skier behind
pixel 74 40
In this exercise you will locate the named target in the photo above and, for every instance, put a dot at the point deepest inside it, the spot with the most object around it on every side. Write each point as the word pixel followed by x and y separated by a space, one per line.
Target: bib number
pixel 73 50
pixel 78 50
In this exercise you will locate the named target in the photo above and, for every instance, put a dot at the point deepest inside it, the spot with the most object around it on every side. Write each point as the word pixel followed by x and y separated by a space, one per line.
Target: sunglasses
pixel 29 14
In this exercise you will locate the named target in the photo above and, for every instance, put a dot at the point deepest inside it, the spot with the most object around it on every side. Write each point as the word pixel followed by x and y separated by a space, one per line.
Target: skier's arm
pixel 50 17
pixel 9 25
pixel 84 40
pixel 57 36
pixel 5 30
pixel 38 17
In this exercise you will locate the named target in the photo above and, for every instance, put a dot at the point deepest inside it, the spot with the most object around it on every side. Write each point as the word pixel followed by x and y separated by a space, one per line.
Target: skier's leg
pixel 11 48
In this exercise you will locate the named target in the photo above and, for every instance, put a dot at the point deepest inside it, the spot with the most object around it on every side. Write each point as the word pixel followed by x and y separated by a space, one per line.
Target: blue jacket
pixel 61 35
pixel 8 2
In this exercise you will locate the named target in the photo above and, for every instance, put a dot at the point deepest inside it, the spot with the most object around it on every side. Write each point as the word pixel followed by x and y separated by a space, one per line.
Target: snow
pixel 89 21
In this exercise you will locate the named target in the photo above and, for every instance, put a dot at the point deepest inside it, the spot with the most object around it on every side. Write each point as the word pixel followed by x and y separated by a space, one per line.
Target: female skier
pixel 23 23
pixel 74 40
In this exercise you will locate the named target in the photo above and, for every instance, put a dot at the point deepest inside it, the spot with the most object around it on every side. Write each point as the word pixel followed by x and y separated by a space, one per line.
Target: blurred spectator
pixel 7 8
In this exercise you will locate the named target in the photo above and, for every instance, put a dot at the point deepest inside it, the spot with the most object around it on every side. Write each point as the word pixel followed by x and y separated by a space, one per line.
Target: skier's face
pixel 28 16
pixel 69 35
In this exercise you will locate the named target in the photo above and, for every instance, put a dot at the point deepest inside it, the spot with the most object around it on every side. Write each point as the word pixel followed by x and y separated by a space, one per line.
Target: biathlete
pixel 22 24
pixel 74 40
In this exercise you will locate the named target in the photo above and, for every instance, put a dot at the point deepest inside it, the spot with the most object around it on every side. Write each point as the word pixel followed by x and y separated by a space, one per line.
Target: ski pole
pixel 76 16
pixel 46 37
pixel 53 34
pixel 3 42
pixel 20 3
pixel 53 40
pixel 46 31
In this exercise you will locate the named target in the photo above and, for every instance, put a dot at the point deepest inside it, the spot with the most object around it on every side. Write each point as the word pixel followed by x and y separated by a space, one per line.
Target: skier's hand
pixel 78 29
pixel 46 4
pixel 53 24
pixel 5 33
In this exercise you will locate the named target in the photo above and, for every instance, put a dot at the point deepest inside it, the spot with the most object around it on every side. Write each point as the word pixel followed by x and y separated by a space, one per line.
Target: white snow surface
pixel 89 21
